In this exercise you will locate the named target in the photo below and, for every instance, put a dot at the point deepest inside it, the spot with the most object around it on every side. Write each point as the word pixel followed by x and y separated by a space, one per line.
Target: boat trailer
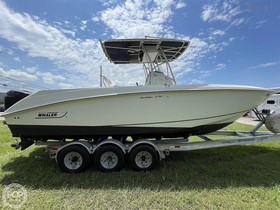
pixel 145 154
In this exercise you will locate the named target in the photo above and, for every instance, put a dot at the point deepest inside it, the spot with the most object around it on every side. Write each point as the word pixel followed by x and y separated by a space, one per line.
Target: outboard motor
pixel 2 108
pixel 13 97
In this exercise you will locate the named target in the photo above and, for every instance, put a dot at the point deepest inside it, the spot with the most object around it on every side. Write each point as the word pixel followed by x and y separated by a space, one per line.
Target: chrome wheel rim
pixel 143 159
pixel 73 160
pixel 109 160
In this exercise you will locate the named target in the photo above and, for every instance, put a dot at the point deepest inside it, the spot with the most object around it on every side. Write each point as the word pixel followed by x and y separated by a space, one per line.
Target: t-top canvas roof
pixel 125 51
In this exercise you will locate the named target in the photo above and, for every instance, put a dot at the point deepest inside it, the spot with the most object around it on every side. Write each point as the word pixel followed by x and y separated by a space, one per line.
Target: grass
pixel 239 177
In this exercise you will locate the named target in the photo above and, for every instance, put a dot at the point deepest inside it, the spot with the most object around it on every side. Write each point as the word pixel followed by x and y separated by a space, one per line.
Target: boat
pixel 159 109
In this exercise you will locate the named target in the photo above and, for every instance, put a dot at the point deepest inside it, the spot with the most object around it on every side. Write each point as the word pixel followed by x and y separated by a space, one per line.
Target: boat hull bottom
pixel 39 132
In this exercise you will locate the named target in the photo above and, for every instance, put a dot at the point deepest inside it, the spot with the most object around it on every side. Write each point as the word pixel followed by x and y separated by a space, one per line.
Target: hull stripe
pixel 80 132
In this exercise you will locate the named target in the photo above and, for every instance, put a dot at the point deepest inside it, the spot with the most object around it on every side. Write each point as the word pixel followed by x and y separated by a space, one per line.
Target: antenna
pixel 101 76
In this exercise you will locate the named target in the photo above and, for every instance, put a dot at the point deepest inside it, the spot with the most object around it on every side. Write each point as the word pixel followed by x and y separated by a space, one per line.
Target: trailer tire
pixel 109 158
pixel 143 158
pixel 73 159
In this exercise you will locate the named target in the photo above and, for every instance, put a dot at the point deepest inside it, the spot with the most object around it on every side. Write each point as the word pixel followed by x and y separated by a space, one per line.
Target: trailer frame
pixel 145 154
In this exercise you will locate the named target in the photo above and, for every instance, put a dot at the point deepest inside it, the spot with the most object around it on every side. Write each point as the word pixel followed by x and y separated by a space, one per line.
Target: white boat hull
pixel 144 111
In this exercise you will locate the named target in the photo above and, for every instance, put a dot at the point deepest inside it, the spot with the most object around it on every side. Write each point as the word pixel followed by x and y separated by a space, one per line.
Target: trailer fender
pixel 113 142
pixel 141 142
pixel 86 145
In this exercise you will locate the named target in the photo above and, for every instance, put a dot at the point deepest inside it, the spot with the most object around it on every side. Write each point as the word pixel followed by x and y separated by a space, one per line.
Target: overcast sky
pixel 55 43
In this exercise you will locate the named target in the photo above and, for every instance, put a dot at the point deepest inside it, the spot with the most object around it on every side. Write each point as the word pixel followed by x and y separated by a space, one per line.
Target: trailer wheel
pixel 73 159
pixel 143 158
pixel 109 158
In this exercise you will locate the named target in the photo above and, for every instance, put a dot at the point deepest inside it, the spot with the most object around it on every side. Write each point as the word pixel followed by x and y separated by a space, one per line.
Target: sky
pixel 54 44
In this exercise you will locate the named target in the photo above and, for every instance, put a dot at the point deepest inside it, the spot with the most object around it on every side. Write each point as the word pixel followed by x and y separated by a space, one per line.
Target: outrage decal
pixel 50 115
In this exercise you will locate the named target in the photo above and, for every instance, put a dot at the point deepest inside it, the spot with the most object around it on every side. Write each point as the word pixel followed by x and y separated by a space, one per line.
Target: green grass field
pixel 239 177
